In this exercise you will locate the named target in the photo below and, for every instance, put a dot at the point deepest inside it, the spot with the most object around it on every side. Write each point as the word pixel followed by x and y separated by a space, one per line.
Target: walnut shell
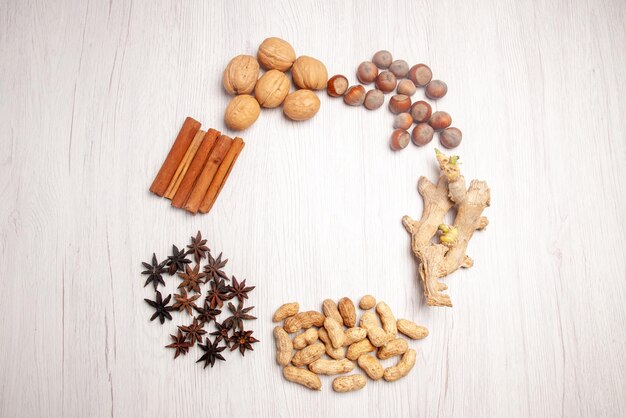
pixel 309 73
pixel 276 54
pixel 301 105
pixel 272 88
pixel 241 112
pixel 241 74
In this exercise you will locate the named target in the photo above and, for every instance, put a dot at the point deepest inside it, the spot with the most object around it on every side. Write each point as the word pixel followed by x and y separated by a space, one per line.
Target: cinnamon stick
pixel 175 156
pixel 184 165
pixel 222 175
pixel 195 168
pixel 208 172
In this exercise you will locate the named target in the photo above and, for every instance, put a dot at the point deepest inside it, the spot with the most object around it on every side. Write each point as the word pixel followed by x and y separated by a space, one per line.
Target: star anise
pixel 218 293
pixel 177 261
pixel 180 344
pixel 193 331
pixel 160 305
pixel 239 290
pixel 215 266
pixel 242 340
pixel 206 314
pixel 198 247
pixel 238 315
pixel 211 353
pixel 222 333
pixel 192 278
pixel 155 270
pixel 184 302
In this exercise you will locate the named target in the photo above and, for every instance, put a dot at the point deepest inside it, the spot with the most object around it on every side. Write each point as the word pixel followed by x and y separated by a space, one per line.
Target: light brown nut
pixel 241 112
pixel 285 311
pixel 272 88
pixel 302 377
pixel 354 335
pixel 403 367
pixel 329 308
pixel 406 87
pixel 371 366
pixel 355 95
pixel 399 68
pixel 309 73
pixel 335 332
pixel 308 337
pixel 349 383
pixel 367 301
pixel 276 54
pixel 284 346
pixel 411 329
pixel 304 320
pixel 329 367
pixel 356 350
pixel 378 337
pixel 347 311
pixel 332 352
pixel 337 85
pixel 308 354
pixel 301 105
pixel 368 320
pixel 387 318
pixel 392 348
pixel 240 75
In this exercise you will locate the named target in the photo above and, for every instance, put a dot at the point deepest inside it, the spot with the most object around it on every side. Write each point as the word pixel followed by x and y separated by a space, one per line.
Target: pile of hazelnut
pixel 407 113
pixel 277 56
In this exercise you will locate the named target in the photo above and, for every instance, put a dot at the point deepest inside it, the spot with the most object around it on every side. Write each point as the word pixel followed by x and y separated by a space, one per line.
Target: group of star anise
pixel 228 333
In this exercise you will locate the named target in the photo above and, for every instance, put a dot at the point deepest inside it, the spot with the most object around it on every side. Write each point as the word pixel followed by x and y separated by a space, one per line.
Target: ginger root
pixel 437 260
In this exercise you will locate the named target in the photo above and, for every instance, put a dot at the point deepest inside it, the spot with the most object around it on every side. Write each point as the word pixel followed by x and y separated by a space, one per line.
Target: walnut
pixel 272 88
pixel 276 54
pixel 241 74
pixel 309 73
pixel 241 112
pixel 301 105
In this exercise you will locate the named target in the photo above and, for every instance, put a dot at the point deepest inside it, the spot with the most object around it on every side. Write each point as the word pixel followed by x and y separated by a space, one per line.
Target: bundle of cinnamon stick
pixel 196 167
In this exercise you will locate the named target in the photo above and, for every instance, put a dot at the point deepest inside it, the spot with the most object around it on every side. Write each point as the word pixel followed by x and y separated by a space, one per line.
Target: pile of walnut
pixel 325 334
pixel 437 260
pixel 277 56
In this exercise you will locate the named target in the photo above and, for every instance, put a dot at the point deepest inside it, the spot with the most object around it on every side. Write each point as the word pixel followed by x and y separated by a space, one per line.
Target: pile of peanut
pixel 336 334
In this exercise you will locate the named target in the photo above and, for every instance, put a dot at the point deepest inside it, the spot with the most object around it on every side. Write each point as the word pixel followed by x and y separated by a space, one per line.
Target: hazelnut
pixel 241 74
pixel 421 111
pixel 272 88
pixel 241 112
pixel 403 121
pixel 386 82
pixel 382 59
pixel 420 74
pixel 374 99
pixel 440 120
pixel 399 103
pixel 301 105
pixel 399 68
pixel 309 73
pixel 337 86
pixel 406 87
pixel 436 89
pixel 355 95
pixel 422 134
pixel 450 137
pixel 367 72
pixel 276 54
pixel 399 139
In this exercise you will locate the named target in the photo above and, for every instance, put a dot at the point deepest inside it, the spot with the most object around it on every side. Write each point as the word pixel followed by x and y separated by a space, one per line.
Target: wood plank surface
pixel 92 94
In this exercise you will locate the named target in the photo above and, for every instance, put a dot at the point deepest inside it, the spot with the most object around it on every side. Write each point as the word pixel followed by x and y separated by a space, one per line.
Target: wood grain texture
pixel 92 94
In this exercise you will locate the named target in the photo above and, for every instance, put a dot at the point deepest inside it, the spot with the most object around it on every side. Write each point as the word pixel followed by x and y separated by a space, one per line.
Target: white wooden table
pixel 92 94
